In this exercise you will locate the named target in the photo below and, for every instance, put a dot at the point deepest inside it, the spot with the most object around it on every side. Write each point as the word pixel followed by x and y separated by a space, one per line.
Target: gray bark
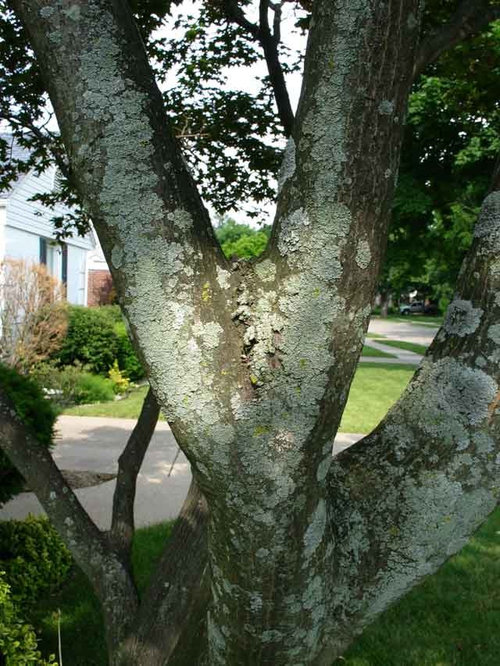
pixel 129 464
pixel 253 365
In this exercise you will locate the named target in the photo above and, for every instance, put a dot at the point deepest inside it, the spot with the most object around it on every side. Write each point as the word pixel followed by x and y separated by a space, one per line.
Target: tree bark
pixel 253 365
pixel 129 464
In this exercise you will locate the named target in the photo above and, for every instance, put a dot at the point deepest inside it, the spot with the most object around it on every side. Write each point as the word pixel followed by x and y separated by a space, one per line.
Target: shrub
pixel 90 340
pixel 18 644
pixel 127 358
pixel 33 316
pixel 37 414
pixel 72 384
pixel 93 388
pixel 95 338
pixel 34 558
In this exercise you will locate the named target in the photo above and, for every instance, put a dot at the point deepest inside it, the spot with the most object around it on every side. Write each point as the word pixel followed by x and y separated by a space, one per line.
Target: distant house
pixel 99 282
pixel 26 231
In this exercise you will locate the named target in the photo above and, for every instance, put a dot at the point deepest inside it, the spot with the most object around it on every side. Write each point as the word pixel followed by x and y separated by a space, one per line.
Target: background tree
pixel 241 240
pixel 303 551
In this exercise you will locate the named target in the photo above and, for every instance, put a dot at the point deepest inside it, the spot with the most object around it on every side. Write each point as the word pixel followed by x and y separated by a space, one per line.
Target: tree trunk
pixel 385 300
pixel 253 362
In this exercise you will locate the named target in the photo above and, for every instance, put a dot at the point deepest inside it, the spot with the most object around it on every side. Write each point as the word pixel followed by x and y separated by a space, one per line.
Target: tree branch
pixel 178 594
pixel 409 495
pixel 269 43
pixel 155 232
pixel 110 579
pixel 129 464
pixel 469 19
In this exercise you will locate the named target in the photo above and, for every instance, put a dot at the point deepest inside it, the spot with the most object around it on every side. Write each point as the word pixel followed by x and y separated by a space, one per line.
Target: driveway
pixel 94 444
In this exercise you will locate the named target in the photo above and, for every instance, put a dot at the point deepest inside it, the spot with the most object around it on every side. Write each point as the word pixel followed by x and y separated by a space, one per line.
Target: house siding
pixel 25 222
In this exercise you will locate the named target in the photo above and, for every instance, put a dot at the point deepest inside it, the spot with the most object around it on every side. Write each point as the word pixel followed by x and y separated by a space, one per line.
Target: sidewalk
pixel 403 356
pixel 94 444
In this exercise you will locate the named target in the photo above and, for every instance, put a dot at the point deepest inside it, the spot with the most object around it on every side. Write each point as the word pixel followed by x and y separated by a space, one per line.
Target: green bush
pixel 93 388
pixel 95 338
pixel 34 558
pixel 72 384
pixel 127 358
pixel 37 414
pixel 18 644
pixel 90 340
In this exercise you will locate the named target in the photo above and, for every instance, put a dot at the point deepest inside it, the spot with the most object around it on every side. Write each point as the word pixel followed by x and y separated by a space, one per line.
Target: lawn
pixel 126 408
pixel 371 351
pixel 409 346
pixel 375 388
pixel 415 319
pixel 451 619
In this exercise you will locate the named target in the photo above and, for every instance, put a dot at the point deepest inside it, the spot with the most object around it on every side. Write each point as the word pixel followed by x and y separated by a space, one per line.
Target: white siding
pixel 21 244
pixel 76 286
pixel 25 222
pixel 31 215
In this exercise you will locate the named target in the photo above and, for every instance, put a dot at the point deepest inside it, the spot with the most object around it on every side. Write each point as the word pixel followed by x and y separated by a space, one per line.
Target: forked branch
pixel 129 464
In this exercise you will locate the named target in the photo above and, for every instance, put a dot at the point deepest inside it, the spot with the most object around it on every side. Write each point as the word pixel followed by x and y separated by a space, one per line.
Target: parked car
pixel 418 307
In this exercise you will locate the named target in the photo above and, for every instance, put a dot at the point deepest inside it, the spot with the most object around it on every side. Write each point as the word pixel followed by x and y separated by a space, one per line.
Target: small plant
pixel 18 643
pixel 37 414
pixel 33 557
pixel 121 383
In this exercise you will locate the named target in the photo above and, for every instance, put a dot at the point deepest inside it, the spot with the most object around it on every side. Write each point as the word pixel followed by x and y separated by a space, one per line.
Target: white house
pixel 26 231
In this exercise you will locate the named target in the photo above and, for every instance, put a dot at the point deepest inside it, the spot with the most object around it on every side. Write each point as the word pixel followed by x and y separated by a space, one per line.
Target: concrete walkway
pixel 395 329
pixel 402 331
pixel 403 356
pixel 94 444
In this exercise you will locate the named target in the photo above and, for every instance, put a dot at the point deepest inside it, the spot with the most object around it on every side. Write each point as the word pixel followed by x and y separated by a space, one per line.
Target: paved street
pixel 94 444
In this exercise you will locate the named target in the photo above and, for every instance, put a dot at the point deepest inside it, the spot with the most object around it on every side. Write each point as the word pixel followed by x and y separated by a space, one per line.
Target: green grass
pixel 409 346
pixel 371 351
pixel 82 632
pixel 451 619
pixel 126 408
pixel 375 336
pixel 375 388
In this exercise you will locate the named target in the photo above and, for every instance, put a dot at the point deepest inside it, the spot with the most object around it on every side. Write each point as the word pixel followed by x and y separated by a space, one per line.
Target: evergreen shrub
pixel 37 414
